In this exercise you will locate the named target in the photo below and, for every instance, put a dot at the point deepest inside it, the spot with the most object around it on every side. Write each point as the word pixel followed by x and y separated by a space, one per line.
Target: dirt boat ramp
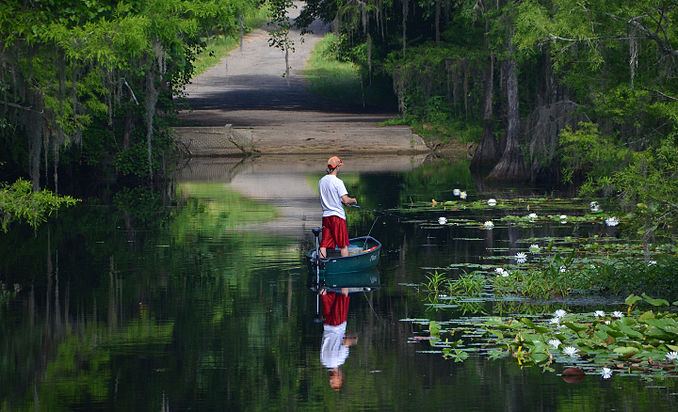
pixel 245 102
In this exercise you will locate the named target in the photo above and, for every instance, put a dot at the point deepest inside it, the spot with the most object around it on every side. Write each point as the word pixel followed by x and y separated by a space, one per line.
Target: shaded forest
pixel 557 91
pixel 87 88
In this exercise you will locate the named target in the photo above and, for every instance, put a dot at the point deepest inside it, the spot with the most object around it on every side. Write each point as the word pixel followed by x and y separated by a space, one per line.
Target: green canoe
pixel 363 256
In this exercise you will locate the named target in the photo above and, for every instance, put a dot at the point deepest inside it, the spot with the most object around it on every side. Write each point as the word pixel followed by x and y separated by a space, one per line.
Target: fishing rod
pixel 377 212
pixel 381 212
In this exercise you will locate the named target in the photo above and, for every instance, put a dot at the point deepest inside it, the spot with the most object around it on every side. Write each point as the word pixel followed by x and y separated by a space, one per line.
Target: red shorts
pixel 335 232
pixel 335 308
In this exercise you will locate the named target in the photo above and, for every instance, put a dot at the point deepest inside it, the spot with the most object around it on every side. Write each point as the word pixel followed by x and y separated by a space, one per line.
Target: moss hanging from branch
pixel 18 202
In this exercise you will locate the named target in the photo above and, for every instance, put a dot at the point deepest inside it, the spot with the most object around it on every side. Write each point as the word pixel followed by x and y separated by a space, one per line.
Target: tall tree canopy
pixel 520 72
pixel 67 66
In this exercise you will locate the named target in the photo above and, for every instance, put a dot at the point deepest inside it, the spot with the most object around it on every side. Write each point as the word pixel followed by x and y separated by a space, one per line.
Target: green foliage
pixel 19 202
pixel 331 76
pixel 468 284
pixel 74 64
pixel 133 161
pixel 637 343
pixel 334 76
pixel 435 283
pixel 586 153
pixel 643 181
pixel 144 206
pixel 218 46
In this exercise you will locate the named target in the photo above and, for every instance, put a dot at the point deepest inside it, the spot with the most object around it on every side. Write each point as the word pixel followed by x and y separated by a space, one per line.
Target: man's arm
pixel 348 200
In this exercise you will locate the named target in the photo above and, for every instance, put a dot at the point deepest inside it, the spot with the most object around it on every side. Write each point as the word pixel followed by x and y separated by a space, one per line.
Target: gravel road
pixel 248 91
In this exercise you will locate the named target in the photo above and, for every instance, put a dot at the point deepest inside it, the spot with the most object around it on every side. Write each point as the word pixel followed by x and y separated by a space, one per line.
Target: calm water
pixel 203 303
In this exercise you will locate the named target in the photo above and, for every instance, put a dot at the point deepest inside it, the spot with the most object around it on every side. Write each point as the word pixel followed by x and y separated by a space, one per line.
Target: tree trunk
pixel 437 21
pixel 405 10
pixel 511 166
pixel 487 152
pixel 33 122
pixel 127 131
pixel 149 106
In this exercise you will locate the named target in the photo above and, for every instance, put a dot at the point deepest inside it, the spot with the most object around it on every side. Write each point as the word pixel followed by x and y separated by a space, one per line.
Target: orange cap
pixel 333 162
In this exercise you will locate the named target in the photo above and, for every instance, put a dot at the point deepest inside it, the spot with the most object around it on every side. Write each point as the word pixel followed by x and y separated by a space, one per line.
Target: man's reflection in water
pixel 335 342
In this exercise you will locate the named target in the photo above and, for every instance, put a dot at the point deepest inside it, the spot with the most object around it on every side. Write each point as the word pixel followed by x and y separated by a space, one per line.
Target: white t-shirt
pixel 331 190
pixel 332 351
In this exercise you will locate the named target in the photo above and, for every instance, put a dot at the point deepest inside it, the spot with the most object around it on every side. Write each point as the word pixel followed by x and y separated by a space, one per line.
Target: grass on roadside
pixel 341 81
pixel 220 46
pixel 441 131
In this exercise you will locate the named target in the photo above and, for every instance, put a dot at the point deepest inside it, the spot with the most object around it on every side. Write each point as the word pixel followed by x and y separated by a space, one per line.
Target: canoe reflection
pixel 355 281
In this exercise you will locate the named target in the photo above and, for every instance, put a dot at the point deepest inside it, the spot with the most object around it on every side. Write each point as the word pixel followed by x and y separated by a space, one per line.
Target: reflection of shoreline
pixel 282 181
pixel 224 169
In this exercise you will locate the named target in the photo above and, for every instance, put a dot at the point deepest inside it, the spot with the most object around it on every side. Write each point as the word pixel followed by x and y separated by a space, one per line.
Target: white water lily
pixel 612 221
pixel 442 220
pixel 595 207
pixel 617 314
pixel 534 248
pixel 555 321
pixel 521 257
pixel 462 195
pixel 532 215
pixel 492 202
pixel 570 351
pixel 652 262
pixel 488 224
pixel 672 356
pixel 599 313
pixel 456 192
pixel 559 313
pixel 563 219
pixel 606 373
pixel 501 272
pixel 555 343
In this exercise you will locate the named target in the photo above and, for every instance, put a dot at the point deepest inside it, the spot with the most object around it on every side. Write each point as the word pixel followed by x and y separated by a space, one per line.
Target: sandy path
pixel 248 91
pixel 295 130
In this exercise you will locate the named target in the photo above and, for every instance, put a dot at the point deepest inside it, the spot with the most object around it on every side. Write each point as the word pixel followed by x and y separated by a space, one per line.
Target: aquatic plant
pixel 435 282
pixel 636 343
pixel 521 257
pixel 468 284
pixel 612 221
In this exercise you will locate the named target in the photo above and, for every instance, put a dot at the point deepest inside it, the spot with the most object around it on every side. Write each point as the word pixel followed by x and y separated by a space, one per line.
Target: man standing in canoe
pixel 333 195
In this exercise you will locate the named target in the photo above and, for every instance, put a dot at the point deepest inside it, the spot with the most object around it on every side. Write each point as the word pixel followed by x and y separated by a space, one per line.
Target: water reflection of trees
pixel 103 304
pixel 198 316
